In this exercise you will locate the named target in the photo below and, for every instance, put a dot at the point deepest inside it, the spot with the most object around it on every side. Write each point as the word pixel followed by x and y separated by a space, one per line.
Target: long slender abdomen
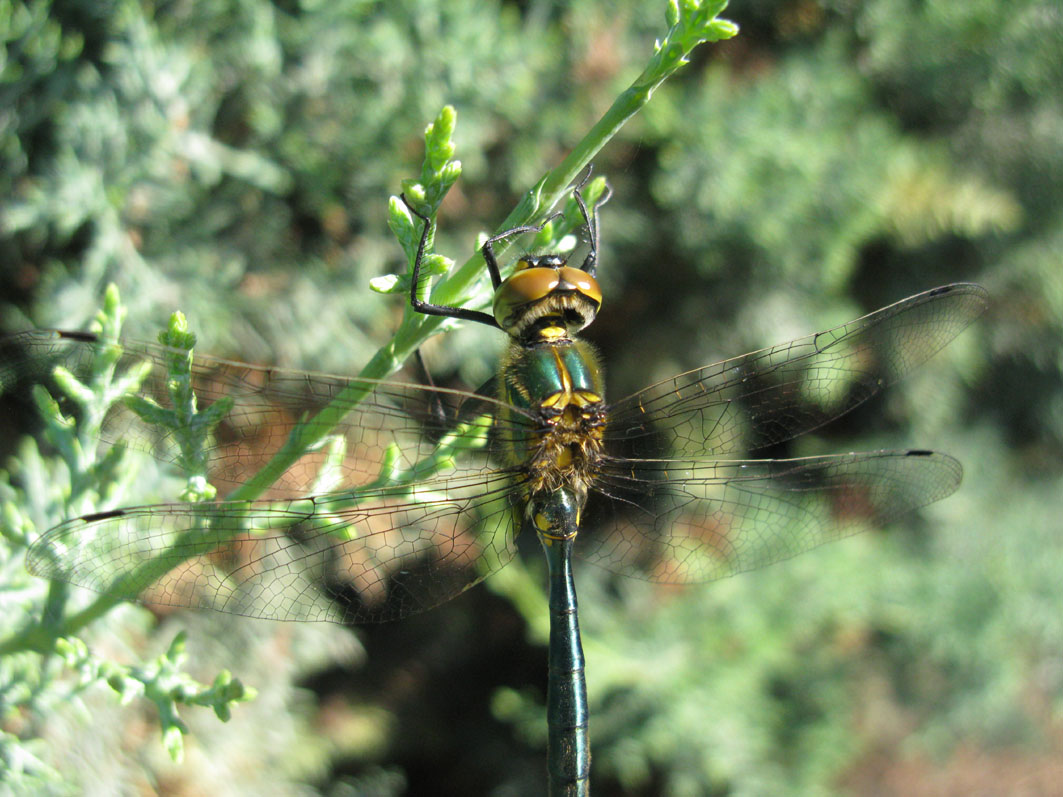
pixel 568 758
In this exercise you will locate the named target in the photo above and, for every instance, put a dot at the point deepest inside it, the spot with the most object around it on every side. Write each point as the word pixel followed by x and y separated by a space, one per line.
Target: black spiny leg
pixel 489 251
pixel 438 309
pixel 590 263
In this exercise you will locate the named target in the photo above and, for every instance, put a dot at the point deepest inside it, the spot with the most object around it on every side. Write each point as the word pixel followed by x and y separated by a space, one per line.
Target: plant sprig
pixel 162 682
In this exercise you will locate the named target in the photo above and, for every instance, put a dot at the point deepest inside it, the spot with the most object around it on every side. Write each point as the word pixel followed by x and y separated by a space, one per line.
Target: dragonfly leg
pixel 590 263
pixel 428 308
pixel 489 251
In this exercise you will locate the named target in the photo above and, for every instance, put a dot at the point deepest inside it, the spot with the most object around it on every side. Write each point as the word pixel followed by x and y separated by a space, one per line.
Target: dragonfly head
pixel 546 299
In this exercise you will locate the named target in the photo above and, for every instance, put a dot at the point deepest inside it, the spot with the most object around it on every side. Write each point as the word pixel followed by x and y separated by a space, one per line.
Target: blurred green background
pixel 234 160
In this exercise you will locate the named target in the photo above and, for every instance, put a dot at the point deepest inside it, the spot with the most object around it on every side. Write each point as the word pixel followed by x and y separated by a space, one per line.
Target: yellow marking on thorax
pixel 563 397
pixel 584 398
pixel 568 396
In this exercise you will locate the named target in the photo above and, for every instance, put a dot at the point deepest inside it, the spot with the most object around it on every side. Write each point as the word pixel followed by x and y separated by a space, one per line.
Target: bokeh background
pixel 234 159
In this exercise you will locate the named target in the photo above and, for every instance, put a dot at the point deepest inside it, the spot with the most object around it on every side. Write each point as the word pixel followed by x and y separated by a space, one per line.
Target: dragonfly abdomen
pixel 569 753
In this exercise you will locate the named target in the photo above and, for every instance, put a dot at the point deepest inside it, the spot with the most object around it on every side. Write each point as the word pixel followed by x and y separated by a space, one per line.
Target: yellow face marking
pixel 552 333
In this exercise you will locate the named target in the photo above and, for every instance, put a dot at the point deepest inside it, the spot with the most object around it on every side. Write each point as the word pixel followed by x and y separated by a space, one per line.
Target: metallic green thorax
pixel 561 382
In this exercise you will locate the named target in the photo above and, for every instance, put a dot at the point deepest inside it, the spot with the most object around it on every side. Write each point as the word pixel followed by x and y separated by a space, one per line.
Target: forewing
pixel 678 521
pixel 770 396
pixel 376 419
pixel 379 556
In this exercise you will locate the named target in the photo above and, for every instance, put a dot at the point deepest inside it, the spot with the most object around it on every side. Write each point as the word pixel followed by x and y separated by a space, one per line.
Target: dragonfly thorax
pixel 546 300
pixel 569 450
pixel 560 384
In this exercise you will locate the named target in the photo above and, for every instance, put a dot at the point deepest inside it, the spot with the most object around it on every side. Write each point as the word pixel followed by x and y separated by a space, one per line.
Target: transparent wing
pixel 376 419
pixel 767 397
pixel 678 521
pixel 380 556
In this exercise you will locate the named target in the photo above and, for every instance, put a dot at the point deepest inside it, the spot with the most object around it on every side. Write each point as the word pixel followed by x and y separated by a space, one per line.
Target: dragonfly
pixel 416 492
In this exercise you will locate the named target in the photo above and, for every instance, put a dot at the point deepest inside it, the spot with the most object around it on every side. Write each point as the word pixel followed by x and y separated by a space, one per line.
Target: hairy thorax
pixel 560 386
pixel 569 448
